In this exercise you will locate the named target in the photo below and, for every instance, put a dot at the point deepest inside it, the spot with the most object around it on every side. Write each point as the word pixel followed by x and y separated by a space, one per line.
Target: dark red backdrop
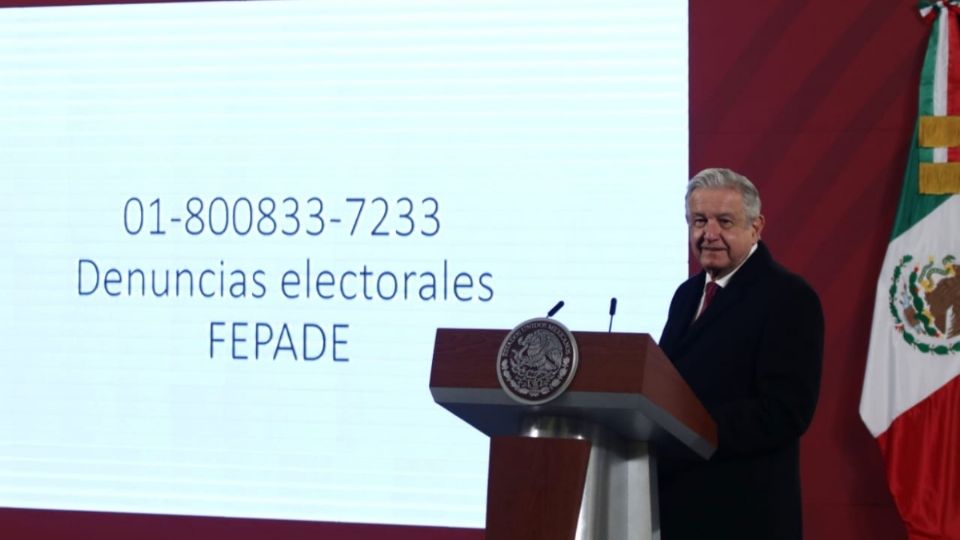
pixel 814 101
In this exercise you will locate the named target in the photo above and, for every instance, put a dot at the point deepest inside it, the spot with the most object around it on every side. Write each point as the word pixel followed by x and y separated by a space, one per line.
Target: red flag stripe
pixel 923 471
pixel 953 76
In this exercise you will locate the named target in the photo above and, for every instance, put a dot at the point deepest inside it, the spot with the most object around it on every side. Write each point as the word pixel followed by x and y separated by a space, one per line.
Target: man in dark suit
pixel 747 336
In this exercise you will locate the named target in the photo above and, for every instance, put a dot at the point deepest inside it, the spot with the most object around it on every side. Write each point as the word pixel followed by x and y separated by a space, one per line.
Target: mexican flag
pixel 911 389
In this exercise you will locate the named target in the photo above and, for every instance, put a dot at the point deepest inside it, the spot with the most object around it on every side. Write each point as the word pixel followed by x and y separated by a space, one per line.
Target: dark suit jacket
pixel 754 359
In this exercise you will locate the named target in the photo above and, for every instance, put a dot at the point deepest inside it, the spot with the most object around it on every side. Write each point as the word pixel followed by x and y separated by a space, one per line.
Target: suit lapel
pixel 678 325
pixel 726 298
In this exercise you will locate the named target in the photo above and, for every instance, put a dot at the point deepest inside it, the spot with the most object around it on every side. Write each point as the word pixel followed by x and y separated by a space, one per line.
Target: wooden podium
pixel 582 466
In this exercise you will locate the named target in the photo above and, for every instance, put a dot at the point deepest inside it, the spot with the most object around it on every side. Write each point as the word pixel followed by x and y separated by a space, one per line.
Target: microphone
pixel 553 311
pixel 613 311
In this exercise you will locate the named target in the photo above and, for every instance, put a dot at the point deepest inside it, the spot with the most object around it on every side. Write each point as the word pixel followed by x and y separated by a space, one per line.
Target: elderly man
pixel 747 336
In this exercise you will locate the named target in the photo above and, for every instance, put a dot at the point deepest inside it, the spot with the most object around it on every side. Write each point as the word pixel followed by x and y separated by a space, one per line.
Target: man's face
pixel 720 234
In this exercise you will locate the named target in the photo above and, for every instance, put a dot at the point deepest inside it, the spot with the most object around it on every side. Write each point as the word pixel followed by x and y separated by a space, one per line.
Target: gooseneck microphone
pixel 613 311
pixel 553 311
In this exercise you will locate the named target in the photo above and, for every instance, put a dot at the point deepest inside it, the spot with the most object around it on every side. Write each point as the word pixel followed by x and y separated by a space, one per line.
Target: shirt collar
pixel 722 282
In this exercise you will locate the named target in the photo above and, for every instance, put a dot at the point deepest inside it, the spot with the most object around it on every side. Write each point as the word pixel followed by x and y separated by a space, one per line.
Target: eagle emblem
pixel 925 304
pixel 537 361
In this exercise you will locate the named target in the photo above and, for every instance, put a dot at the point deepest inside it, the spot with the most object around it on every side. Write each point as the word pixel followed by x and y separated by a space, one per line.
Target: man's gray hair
pixel 725 178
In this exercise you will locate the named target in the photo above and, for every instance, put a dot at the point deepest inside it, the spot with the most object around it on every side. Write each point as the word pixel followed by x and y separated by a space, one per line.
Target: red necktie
pixel 708 297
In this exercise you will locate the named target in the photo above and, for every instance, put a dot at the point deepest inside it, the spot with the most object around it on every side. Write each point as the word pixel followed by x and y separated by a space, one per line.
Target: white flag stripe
pixel 899 376
pixel 940 77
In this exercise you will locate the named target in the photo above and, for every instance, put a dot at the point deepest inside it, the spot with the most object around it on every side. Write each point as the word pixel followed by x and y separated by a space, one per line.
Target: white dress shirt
pixel 722 282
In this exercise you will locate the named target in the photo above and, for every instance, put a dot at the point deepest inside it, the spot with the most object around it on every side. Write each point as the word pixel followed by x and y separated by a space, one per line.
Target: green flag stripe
pixel 927 76
pixel 915 206
pixel 929 72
